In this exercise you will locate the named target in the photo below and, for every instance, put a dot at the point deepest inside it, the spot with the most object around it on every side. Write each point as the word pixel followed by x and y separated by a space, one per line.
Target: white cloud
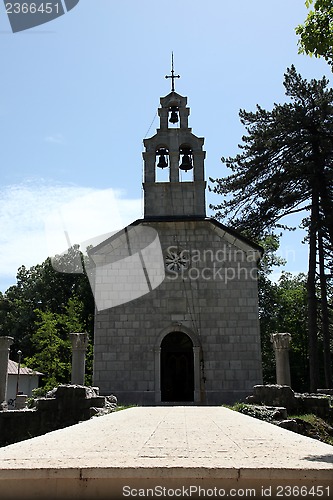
pixel 35 218
pixel 55 139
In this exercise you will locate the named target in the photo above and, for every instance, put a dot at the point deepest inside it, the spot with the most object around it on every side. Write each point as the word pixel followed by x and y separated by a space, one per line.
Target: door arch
pixel 177 368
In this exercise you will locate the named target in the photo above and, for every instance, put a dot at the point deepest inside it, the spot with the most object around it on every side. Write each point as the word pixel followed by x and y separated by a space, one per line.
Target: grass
pixel 315 427
pixel 254 411
pixel 308 425
pixel 125 407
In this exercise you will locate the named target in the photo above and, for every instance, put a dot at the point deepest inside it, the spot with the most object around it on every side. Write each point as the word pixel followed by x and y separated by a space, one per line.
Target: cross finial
pixel 172 76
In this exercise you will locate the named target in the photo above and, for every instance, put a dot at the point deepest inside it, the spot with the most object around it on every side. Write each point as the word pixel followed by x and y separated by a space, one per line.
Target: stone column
pixel 79 345
pixel 281 343
pixel 5 343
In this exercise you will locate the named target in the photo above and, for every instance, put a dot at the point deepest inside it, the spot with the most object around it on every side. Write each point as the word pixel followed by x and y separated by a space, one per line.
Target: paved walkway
pixel 176 448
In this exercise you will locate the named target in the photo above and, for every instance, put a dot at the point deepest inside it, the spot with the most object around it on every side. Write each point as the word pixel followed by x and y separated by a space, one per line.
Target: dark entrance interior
pixel 177 368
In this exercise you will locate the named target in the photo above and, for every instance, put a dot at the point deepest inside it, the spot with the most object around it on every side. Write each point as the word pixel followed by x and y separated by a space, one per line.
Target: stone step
pixel 140 451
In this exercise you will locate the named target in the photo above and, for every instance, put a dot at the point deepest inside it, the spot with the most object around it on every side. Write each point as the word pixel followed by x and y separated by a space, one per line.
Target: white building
pixel 27 381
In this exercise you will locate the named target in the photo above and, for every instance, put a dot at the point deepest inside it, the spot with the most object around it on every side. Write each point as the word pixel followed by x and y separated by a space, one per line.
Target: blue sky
pixel 79 94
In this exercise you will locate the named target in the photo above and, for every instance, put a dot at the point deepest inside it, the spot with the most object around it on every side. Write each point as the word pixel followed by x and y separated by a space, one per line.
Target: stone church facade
pixel 188 332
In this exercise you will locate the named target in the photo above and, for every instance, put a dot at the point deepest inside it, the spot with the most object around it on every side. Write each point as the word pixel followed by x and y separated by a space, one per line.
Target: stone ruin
pixel 284 396
pixel 63 406
pixel 275 402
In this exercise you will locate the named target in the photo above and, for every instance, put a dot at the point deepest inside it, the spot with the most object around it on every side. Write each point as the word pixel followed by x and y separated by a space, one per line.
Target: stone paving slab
pixel 170 447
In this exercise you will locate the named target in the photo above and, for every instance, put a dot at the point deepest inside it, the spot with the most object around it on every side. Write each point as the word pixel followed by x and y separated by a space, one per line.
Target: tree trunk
pixel 327 207
pixel 325 314
pixel 312 298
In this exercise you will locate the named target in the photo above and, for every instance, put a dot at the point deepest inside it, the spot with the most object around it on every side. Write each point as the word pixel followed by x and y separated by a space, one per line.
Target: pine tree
pixel 286 167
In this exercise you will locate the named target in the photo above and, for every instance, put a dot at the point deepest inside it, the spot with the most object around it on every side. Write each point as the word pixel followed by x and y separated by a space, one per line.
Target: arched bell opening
pixel 173 117
pixel 185 163
pixel 177 368
pixel 162 164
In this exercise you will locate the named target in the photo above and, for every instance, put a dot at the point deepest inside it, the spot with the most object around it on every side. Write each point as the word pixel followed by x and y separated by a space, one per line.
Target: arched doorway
pixel 177 368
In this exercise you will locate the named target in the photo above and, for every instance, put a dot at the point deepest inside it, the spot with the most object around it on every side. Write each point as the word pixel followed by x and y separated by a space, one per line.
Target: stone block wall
pixel 175 198
pixel 214 298
pixel 66 405
pixel 295 403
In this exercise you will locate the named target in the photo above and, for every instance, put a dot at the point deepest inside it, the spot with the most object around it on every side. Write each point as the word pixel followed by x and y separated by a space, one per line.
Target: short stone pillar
pixel 281 342
pixel 79 345
pixel 21 401
pixel 5 343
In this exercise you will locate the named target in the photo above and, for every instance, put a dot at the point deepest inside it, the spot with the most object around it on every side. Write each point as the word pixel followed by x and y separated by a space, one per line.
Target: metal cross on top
pixel 172 76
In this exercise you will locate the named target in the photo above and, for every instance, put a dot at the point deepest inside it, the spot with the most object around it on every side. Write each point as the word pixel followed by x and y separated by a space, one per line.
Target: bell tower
pixel 175 148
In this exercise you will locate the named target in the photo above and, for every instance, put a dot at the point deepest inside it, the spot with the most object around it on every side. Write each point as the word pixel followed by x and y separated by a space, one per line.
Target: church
pixel 176 292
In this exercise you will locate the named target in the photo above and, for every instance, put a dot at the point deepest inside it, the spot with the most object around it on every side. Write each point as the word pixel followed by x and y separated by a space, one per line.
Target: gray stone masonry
pixel 213 299
pixel 283 395
pixel 281 343
pixel 178 198
pixel 21 401
pixel 174 198
pixel 182 327
pixel 79 343
pixel 64 406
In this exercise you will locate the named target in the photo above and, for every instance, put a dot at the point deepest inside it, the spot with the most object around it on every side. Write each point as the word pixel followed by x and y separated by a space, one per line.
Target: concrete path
pixel 168 451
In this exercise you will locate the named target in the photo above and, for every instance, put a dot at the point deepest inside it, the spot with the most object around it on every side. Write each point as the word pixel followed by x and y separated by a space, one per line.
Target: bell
pixel 186 163
pixel 162 162
pixel 174 115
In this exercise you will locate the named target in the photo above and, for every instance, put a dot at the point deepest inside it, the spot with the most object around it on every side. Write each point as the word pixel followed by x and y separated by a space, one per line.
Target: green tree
pixel 43 296
pixel 74 322
pixel 52 350
pixel 268 304
pixel 283 308
pixel 52 347
pixel 292 318
pixel 286 167
pixel 316 34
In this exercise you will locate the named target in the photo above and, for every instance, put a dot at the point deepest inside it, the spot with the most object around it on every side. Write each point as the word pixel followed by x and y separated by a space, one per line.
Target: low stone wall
pixel 64 406
pixel 283 395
